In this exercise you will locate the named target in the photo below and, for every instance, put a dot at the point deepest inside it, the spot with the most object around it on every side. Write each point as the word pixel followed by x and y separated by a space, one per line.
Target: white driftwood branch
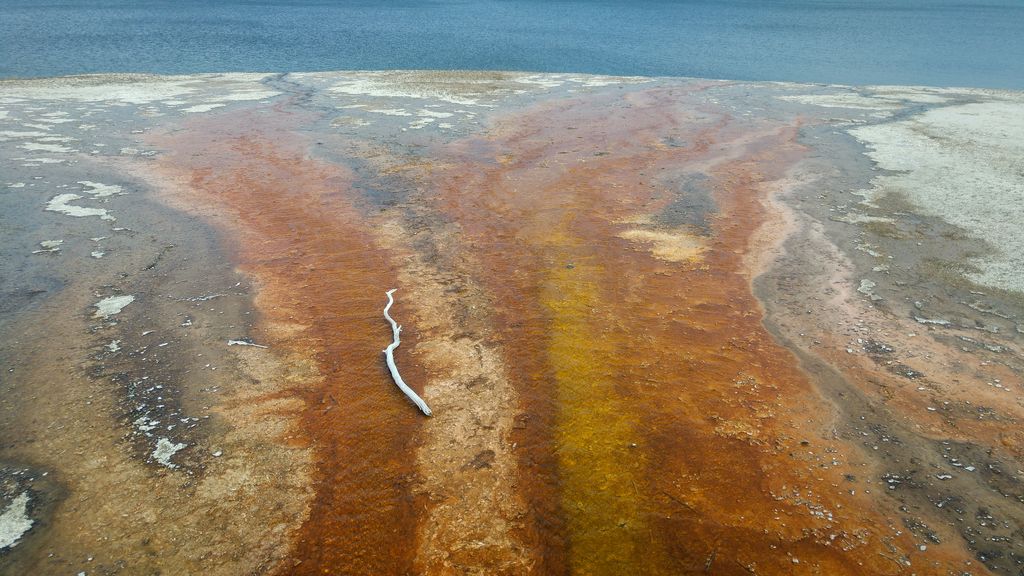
pixel 389 354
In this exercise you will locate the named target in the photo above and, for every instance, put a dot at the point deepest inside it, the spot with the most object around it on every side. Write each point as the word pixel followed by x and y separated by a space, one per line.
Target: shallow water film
pixel 663 326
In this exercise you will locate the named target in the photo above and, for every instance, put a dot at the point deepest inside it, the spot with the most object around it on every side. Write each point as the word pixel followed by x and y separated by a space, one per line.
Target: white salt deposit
pixel 132 90
pixel 674 247
pixel 203 107
pixel 433 114
pixel 44 147
pixel 245 343
pixel 382 88
pixel 42 160
pixel 455 87
pixel 53 138
pixel 543 80
pixel 845 100
pixel 97 190
pixel 60 203
pixel 49 246
pixel 144 424
pixel 14 521
pixel 247 94
pixel 858 218
pixel 349 121
pixel 165 449
pixel 557 80
pixel 138 89
pixel 964 164
pixel 390 111
pixel 917 94
pixel 16 134
pixel 112 305
pixel 597 81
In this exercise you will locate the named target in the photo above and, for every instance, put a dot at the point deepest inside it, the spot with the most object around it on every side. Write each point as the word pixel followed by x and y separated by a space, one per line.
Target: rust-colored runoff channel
pixel 321 294
pixel 663 430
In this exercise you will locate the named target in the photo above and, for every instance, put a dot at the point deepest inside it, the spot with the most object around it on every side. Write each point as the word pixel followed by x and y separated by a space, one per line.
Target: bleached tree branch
pixel 389 354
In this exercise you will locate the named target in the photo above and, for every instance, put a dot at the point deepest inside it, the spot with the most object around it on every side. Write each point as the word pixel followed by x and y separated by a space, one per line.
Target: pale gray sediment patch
pixel 964 164
pixel 14 521
pixel 693 203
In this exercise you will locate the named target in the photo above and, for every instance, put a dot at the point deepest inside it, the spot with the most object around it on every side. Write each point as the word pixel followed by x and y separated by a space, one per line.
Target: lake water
pixel 933 42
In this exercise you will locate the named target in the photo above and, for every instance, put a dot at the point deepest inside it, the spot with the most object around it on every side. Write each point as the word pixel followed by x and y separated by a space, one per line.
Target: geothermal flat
pixel 663 326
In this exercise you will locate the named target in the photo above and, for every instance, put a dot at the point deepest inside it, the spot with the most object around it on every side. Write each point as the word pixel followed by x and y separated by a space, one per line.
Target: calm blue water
pixel 936 42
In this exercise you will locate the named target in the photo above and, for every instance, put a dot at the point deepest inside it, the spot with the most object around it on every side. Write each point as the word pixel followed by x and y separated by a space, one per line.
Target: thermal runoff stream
pixel 663 326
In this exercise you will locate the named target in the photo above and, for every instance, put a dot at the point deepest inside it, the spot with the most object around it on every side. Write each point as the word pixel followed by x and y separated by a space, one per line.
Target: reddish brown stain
pixel 721 441
pixel 721 408
pixel 321 294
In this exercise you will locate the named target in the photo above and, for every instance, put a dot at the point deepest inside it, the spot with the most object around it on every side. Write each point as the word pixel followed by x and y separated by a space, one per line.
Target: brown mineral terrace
pixel 664 326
